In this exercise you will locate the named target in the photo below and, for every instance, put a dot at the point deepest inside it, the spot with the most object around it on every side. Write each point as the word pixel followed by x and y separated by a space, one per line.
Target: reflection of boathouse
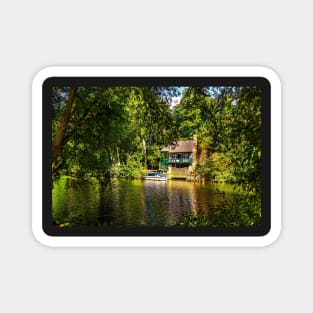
pixel 179 156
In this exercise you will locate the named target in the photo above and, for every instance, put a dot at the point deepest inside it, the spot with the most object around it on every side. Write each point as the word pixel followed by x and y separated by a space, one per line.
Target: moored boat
pixel 154 176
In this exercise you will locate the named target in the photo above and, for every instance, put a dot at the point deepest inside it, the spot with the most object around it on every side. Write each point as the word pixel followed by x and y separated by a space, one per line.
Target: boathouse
pixel 179 155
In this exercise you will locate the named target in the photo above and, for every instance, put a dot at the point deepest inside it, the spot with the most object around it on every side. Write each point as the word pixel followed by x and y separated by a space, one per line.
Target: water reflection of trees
pixel 130 203
pixel 105 206
pixel 156 203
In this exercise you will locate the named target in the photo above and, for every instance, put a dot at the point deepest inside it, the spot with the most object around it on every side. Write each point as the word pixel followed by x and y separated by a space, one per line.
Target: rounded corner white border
pixel 154 71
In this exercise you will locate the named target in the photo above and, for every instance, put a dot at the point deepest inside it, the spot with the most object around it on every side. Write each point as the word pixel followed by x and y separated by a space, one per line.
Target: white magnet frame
pixel 160 241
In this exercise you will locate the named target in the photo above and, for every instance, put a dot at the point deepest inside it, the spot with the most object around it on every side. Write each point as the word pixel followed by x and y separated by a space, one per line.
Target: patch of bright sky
pixel 180 90
pixel 176 100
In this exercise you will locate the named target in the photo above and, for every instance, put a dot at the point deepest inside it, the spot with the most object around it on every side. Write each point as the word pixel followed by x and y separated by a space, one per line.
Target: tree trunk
pixel 58 140
pixel 144 151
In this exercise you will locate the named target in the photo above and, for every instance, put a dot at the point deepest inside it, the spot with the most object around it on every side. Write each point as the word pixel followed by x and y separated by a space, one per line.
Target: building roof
pixel 180 146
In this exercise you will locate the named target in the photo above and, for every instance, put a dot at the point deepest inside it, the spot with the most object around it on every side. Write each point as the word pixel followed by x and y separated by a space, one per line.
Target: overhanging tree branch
pixel 58 140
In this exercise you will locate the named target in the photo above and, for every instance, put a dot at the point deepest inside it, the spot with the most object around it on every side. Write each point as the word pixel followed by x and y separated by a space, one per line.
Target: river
pixel 132 202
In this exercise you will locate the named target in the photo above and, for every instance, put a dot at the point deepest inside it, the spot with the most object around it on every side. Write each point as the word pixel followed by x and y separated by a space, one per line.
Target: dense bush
pixel 132 169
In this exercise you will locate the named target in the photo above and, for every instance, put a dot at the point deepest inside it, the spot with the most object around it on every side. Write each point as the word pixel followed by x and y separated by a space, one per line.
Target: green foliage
pixel 227 122
pixel 153 157
pixel 133 168
pixel 111 130
pixel 196 114
pixel 217 167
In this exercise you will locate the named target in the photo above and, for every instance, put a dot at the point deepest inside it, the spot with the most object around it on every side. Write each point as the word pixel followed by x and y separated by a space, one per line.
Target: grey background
pixel 36 34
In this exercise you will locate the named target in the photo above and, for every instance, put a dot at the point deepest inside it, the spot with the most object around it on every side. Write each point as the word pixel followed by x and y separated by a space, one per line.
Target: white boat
pixel 154 176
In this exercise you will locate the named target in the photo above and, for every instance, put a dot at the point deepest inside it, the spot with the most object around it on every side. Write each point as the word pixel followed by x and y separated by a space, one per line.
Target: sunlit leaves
pixel 110 124
pixel 227 121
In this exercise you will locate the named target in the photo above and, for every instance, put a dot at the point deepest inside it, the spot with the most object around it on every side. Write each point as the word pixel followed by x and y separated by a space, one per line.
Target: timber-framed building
pixel 179 155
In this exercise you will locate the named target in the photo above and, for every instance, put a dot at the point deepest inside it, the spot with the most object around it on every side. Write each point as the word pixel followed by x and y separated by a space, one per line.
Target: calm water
pixel 132 202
